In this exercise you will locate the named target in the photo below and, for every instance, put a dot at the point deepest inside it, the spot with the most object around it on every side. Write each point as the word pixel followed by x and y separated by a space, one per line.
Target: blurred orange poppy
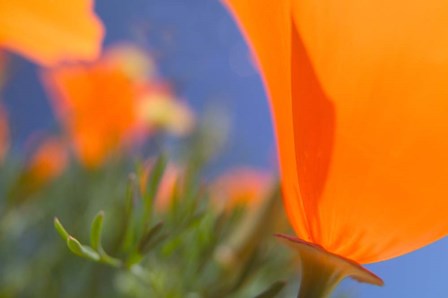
pixel 48 31
pixel 102 104
pixel 241 187
pixel 359 95
pixel 48 161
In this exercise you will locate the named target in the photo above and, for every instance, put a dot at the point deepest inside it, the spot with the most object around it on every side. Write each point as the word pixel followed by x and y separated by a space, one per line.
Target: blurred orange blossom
pixel 48 161
pixel 102 104
pixel 48 31
pixel 359 95
pixel 241 187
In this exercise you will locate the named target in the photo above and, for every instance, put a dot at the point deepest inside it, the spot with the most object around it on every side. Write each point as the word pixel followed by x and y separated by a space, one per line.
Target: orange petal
pixel 48 31
pixel 271 44
pixel 368 102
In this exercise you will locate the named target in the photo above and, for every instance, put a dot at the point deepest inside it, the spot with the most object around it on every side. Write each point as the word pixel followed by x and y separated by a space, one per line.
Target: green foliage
pixel 174 252
pixel 132 247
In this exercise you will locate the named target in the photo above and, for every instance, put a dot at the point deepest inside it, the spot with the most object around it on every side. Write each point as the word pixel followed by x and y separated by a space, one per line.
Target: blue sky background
pixel 198 48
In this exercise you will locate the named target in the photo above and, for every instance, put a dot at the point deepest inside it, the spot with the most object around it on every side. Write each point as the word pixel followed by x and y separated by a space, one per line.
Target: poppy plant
pixel 358 92
pixel 48 31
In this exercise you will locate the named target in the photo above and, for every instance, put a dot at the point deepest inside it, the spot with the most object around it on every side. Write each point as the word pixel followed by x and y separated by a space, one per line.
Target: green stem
pixel 318 281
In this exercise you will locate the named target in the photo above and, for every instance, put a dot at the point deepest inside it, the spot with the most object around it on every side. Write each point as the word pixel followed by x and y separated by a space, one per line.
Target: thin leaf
pixel 150 238
pixel 133 214
pixel 96 231
pixel 95 241
pixel 60 229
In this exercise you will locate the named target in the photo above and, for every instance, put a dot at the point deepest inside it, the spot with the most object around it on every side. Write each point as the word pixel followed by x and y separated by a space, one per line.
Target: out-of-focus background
pixel 199 50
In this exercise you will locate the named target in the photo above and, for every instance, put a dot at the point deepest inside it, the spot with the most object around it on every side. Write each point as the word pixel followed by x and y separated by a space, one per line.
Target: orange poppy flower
pixel 242 186
pixel 358 91
pixel 102 104
pixel 48 31
pixel 49 160
pixel 95 103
